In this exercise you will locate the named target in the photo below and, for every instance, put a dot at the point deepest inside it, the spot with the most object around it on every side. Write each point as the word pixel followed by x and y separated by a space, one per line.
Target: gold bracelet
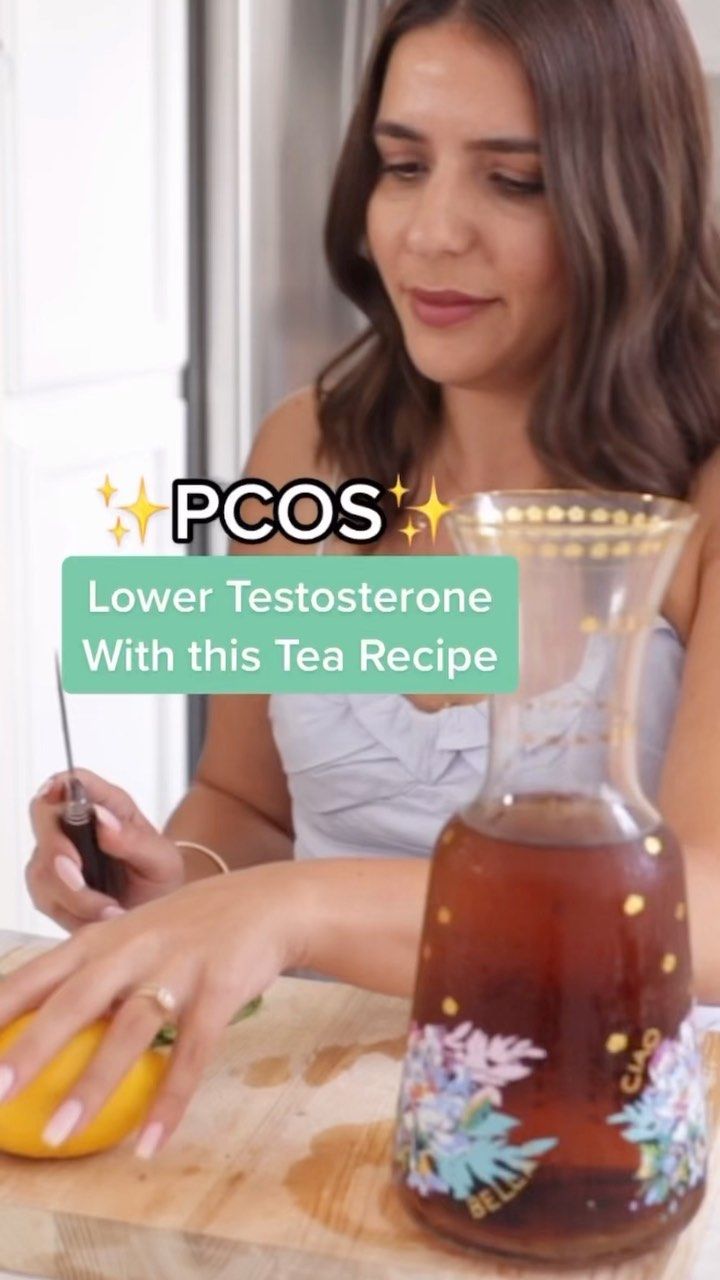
pixel 215 857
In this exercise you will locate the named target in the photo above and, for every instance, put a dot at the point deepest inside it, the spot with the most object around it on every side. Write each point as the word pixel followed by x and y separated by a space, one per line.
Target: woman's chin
pixel 455 373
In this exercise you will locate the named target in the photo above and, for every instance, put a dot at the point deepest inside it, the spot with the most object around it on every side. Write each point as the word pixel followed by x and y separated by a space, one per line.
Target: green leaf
pixel 493 1163
pixel 488 1160
pixel 489 1124
pixel 455 1172
pixel 247 1011
pixel 537 1147
pixel 642 1120
pixel 168 1034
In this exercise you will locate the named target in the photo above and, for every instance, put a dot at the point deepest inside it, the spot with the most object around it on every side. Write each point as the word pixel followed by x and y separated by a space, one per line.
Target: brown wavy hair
pixel 632 397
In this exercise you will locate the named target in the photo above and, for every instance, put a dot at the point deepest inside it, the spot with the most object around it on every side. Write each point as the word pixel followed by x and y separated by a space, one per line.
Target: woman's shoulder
pixel 287 443
pixel 705 498
pixel 285 449
pixel 702 548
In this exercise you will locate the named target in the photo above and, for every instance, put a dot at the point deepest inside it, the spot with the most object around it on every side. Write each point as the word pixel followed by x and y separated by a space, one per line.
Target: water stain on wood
pixel 330 1062
pixel 267 1073
pixel 337 1183
pixel 327 1184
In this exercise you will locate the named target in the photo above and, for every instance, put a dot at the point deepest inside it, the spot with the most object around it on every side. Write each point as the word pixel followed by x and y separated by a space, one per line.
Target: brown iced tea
pixel 552 1102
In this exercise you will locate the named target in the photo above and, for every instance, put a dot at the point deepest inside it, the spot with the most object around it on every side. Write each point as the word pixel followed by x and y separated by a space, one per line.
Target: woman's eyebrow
pixel 391 129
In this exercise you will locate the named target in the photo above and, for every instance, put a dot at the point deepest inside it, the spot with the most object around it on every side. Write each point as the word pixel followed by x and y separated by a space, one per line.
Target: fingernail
pixel 7 1080
pixel 149 1139
pixel 46 786
pixel 61 1125
pixel 69 872
pixel 107 913
pixel 107 818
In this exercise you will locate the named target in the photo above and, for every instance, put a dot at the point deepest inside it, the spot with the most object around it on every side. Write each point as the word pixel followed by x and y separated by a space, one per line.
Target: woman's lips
pixel 445 307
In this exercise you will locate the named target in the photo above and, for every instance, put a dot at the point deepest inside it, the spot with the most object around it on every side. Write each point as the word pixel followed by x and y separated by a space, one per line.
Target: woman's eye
pixel 519 186
pixel 403 170
pixel 407 170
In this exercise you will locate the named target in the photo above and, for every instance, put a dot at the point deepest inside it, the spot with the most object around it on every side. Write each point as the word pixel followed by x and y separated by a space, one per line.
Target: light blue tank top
pixel 373 775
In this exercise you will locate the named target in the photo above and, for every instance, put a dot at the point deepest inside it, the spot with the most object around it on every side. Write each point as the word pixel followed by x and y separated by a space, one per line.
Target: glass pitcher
pixel 552 1103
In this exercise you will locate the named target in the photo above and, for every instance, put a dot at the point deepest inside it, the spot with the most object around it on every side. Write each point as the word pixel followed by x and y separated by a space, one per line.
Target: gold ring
pixel 162 996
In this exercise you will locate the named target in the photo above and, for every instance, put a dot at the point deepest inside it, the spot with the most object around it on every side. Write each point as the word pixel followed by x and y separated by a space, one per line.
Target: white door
pixel 93 103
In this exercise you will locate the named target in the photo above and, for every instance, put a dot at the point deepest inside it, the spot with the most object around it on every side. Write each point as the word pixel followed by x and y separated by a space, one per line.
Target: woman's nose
pixel 439 222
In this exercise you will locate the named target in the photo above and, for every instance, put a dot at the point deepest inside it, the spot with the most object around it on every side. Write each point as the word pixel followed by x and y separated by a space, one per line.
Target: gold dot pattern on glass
pixel 533 513
pixel 680 911
pixel 444 915
pixel 669 963
pixel 590 624
pixel 652 845
pixel 629 532
pixel 517 544
pixel 617 1042
pixel 634 904
pixel 450 1006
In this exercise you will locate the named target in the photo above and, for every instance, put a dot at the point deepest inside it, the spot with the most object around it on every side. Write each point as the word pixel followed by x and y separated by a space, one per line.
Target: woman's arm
pixel 239 803
pixel 363 919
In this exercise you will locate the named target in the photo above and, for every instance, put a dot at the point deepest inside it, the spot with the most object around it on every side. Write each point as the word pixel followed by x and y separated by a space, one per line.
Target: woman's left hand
pixel 214 944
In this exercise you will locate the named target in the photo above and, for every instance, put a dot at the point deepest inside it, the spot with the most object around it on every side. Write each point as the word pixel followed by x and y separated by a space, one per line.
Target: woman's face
pixel 458 224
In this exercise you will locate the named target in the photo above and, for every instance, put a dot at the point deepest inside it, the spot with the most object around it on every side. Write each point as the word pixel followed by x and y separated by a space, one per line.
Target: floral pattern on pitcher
pixel 668 1121
pixel 452 1135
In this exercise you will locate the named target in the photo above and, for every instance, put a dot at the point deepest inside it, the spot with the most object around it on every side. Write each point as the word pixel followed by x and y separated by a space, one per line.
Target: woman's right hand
pixel 153 866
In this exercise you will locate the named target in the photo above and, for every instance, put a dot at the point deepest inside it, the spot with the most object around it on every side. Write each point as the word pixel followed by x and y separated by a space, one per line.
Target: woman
pixel 549 161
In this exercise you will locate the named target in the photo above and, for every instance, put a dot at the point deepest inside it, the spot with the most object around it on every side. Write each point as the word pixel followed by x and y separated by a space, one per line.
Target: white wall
pixel 704 19
pixel 93 137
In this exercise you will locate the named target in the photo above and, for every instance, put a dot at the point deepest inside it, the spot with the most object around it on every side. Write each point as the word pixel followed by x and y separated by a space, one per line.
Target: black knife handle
pixel 100 871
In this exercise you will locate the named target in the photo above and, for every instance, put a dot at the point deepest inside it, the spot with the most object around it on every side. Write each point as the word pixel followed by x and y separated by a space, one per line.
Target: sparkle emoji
pixel 434 510
pixel 107 490
pixel 398 491
pixel 143 509
pixel 118 531
pixel 410 530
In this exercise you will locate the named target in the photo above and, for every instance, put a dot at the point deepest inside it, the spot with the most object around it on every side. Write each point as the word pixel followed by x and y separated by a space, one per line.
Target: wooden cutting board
pixel 279 1170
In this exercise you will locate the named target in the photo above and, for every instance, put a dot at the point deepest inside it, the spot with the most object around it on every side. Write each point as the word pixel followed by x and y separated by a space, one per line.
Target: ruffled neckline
pixel 430 737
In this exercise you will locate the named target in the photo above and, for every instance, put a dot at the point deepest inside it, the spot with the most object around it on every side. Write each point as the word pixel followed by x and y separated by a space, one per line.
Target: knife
pixel 78 821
